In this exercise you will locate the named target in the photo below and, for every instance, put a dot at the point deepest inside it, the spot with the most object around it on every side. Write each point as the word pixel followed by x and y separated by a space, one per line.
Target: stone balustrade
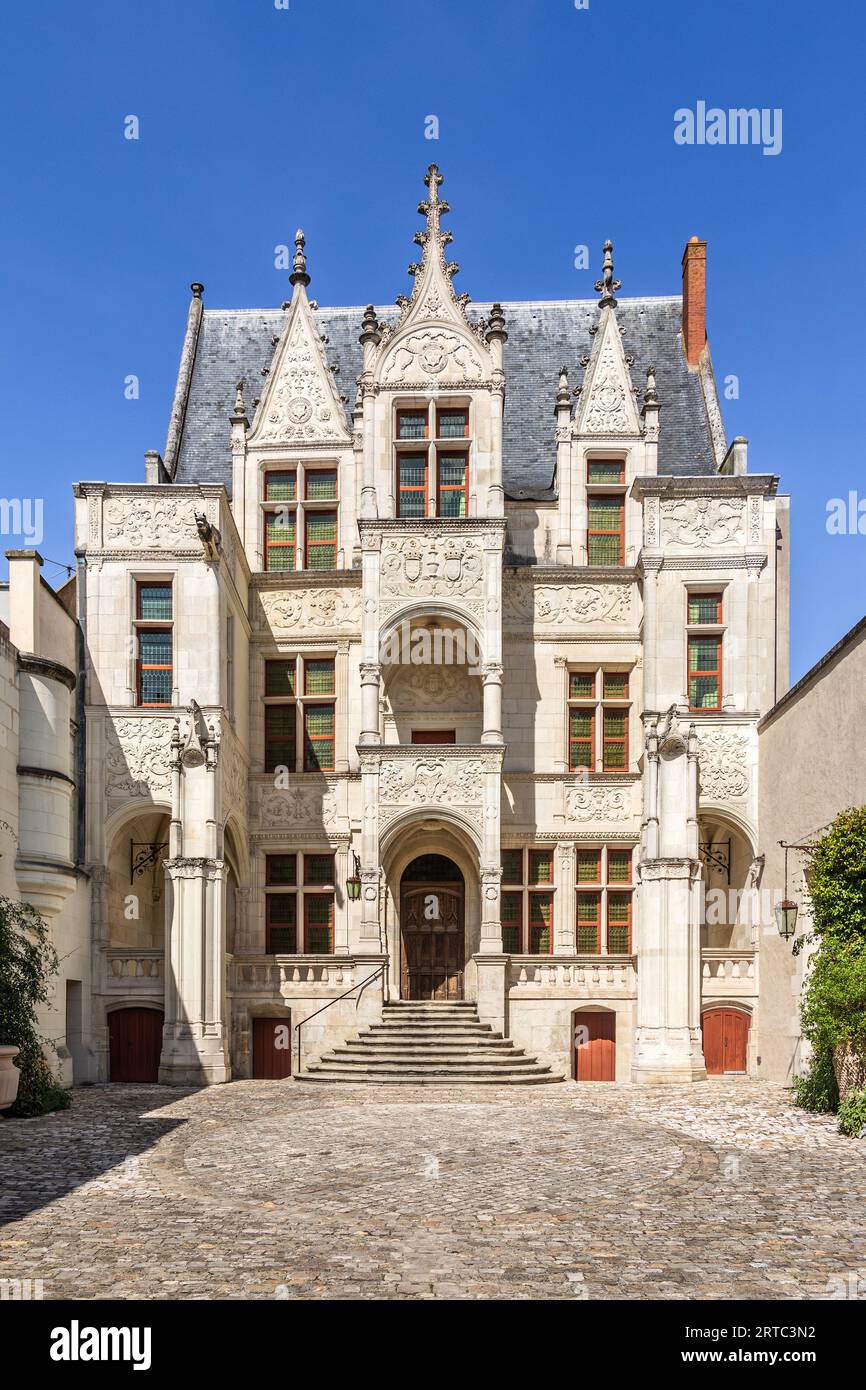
pixel 134 969
pixel 729 972
pixel 579 975
pixel 298 973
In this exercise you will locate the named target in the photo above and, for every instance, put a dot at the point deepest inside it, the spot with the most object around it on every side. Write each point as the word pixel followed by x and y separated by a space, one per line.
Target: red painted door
pixel 595 1047
pixel 134 1044
pixel 272 1048
pixel 726 1038
pixel 434 736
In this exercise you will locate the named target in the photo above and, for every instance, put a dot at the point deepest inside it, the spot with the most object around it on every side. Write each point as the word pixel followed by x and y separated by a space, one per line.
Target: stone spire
pixel 299 274
pixel 607 286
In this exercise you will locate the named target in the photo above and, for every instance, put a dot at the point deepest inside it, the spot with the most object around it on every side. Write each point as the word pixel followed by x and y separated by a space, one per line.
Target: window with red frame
pixel 154 638
pixel 412 485
pixel 599 710
pixel 604 900
pixel 299 891
pixel 705 673
pixel 605 544
pixel 526 903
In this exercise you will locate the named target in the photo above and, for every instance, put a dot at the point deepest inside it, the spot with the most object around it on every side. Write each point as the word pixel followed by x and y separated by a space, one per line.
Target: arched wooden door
pixel 726 1040
pixel 432 938
pixel 134 1044
pixel 594 1046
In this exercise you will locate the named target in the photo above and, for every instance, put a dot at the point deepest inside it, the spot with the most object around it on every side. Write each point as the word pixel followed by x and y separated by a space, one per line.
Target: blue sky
pixel 555 129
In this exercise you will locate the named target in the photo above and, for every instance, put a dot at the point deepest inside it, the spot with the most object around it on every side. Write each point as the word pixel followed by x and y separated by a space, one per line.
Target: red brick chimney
pixel 694 300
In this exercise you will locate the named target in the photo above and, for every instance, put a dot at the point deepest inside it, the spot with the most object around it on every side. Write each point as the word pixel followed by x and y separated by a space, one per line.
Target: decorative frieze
pixel 568 605
pixel 296 611
pixel 163 523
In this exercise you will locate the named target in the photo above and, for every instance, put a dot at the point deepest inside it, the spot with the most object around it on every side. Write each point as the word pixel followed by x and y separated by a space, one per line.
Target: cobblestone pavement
pixel 285 1190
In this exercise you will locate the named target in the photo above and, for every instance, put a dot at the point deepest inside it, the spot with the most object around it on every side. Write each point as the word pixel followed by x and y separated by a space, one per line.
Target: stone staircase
pixel 430 1044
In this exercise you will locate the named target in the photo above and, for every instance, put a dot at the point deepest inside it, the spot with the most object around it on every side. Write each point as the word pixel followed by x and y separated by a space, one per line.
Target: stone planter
pixel 9 1076
pixel 850 1068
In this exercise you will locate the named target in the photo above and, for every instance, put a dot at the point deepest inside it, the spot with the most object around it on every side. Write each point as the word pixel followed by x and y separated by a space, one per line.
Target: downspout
pixel 80 719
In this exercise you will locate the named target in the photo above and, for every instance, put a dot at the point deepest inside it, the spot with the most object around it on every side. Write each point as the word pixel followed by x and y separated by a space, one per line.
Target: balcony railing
pixel 297 973
pixel 582 975
pixel 130 969
pixel 729 972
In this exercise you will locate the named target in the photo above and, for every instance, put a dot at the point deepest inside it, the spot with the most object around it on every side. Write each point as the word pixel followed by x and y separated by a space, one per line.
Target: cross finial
pixel 433 206
pixel 299 274
pixel 607 286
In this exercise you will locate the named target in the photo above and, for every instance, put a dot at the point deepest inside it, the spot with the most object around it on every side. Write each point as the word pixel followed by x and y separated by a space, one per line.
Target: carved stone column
pixel 668 1040
pixel 195 1048
pixel 492 696
pixel 370 683
pixel 564 904
pixel 651 564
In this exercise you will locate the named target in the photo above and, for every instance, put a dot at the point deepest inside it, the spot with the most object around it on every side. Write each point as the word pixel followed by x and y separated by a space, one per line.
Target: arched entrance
pixel 432 937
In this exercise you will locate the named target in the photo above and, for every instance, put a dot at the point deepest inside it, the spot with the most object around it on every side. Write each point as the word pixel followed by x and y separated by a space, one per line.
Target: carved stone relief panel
pixel 419 567
pixel 703 522
pixel 166 523
pixel 296 808
pixel 431 781
pixel 592 803
pixel 723 764
pixel 432 354
pixel 297 610
pixel 137 758
pixel 568 605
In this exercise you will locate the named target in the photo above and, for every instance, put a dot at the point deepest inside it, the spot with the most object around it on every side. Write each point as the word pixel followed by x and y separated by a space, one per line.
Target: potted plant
pixel 9 1076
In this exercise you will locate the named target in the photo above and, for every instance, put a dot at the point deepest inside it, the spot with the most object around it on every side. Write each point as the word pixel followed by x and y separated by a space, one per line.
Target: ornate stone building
pixel 426 666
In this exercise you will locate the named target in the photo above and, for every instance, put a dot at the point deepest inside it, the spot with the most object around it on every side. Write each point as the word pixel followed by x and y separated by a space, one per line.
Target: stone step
pixel 370 1058
pixel 399 1046
pixel 426 1079
pixel 465 1070
pixel 429 1042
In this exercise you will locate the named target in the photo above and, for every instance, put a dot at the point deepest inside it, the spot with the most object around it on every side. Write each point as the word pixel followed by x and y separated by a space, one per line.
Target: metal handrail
pixel 363 985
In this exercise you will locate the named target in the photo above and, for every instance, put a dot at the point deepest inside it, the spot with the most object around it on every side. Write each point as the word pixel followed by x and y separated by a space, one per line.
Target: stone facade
pixel 41 858
pixel 800 796
pixel 410 518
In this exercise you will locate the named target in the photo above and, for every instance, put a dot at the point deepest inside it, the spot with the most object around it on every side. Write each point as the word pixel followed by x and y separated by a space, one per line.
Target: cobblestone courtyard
pixel 274 1189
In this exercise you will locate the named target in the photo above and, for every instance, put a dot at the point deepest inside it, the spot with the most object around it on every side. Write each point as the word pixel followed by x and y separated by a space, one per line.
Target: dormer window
pixel 431 468
pixel 605 501
pixel 300 518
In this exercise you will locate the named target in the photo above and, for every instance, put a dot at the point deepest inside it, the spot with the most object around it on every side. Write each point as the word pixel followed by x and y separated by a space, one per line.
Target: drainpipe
pixel 80 700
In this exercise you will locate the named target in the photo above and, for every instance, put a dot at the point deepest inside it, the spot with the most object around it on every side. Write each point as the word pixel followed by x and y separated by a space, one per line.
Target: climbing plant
pixel 28 962
pixel 833 1007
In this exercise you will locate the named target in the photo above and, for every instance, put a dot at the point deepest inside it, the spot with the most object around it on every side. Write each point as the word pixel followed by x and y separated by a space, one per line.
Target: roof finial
pixel 299 274
pixel 240 409
pixel 607 286
pixel 433 206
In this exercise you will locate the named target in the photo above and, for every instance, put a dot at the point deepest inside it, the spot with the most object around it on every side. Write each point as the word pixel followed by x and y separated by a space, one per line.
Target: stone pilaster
pixel 195 1048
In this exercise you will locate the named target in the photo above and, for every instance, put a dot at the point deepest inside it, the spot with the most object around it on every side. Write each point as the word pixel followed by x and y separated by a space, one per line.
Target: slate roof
pixel 542 337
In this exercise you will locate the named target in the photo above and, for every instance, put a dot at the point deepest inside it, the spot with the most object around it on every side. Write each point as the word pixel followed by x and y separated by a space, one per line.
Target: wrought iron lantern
pixel 353 882
pixel 786 918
